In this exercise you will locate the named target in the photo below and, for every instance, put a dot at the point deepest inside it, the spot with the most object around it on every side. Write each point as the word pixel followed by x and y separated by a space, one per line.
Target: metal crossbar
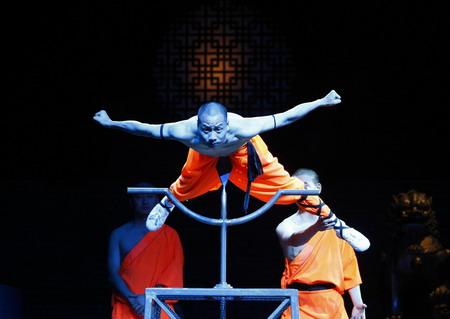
pixel 156 297
pixel 222 291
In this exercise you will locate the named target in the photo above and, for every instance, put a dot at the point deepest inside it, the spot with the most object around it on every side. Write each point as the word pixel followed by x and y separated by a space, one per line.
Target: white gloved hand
pixel 158 215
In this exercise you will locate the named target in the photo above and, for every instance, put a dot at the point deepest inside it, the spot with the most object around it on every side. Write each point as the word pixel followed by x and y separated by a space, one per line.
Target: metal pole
pixel 223 239
pixel 223 236
pixel 223 308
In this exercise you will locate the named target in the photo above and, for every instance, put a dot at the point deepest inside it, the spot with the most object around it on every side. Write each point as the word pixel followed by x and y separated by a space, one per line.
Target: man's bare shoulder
pixel 284 226
pixel 121 230
pixel 288 220
pixel 184 130
pixel 234 116
pixel 245 127
pixel 234 120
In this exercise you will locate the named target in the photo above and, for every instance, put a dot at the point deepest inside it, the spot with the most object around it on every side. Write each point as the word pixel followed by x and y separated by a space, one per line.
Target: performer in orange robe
pixel 157 260
pixel 215 132
pixel 199 175
pixel 326 260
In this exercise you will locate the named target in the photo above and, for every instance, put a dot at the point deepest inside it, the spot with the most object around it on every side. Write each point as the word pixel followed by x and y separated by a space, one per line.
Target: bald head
pixel 212 109
pixel 212 124
pixel 309 177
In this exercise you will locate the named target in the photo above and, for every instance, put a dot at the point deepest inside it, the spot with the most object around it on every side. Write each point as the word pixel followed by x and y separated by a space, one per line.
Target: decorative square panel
pixel 224 53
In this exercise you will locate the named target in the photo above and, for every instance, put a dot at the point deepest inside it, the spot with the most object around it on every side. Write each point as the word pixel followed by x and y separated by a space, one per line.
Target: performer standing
pixel 318 263
pixel 215 133
pixel 139 259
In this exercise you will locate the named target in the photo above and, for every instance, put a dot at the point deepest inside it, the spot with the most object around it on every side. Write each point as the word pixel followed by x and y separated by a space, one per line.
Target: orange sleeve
pixel 352 277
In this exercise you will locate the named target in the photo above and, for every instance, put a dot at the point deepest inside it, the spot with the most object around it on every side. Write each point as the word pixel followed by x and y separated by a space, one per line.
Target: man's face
pixel 309 182
pixel 212 129
pixel 143 203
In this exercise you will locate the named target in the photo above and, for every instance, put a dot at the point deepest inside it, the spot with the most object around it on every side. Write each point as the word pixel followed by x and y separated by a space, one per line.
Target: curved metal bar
pixel 270 203
pixel 177 203
pixel 219 222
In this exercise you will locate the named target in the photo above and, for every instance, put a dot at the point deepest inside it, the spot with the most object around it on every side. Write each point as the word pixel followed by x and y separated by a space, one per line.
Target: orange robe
pixel 325 259
pixel 199 175
pixel 156 260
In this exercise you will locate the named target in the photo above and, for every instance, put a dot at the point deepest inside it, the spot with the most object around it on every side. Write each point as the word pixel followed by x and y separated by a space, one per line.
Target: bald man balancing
pixel 215 133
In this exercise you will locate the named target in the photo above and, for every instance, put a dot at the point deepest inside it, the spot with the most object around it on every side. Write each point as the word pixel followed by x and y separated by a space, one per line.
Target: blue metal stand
pixel 222 291
pixel 155 299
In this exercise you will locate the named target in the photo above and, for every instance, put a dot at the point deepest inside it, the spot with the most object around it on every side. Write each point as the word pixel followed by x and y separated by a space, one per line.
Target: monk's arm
pixel 114 267
pixel 182 130
pixel 301 110
pixel 359 308
pixel 252 126
pixel 298 235
pixel 291 236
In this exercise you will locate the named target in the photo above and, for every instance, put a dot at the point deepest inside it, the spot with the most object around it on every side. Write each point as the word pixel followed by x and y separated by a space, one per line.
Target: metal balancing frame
pixel 155 297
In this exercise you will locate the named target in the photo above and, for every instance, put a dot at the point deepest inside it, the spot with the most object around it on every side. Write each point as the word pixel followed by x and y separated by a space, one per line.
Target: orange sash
pixel 156 260
pixel 324 259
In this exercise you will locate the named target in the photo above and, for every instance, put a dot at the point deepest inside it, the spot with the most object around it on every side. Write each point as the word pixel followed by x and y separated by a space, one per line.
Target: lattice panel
pixel 224 53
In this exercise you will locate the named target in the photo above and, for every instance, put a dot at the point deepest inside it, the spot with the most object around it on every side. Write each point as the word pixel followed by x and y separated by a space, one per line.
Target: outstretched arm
pixel 182 130
pixel 256 125
pixel 301 110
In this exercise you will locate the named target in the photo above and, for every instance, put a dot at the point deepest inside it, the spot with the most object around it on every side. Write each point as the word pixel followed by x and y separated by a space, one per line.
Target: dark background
pixel 64 177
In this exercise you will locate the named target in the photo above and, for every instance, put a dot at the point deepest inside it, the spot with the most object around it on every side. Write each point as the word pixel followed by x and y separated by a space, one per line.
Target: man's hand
pixel 331 99
pixel 359 311
pixel 325 223
pixel 137 302
pixel 103 118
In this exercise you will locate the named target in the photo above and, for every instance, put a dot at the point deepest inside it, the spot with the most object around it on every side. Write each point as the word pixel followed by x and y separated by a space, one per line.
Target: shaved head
pixel 212 124
pixel 212 109
pixel 309 177
pixel 307 172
